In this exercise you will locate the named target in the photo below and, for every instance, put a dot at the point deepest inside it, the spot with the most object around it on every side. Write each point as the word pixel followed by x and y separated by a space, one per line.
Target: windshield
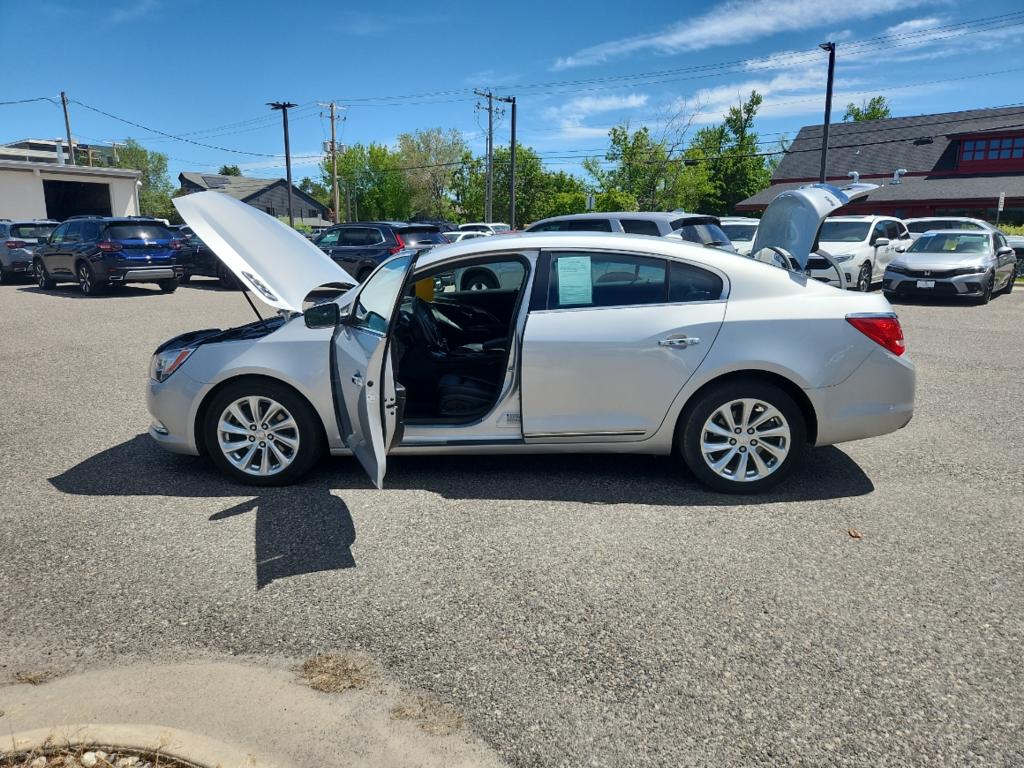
pixel 950 243
pixel 929 224
pixel 740 231
pixel 844 231
pixel 475 228
pixel 137 232
pixel 30 231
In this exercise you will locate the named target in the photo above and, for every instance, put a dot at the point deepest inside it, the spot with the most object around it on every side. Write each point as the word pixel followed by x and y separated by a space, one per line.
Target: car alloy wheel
pixel 986 292
pixel 864 278
pixel 258 436
pixel 85 283
pixel 42 279
pixel 745 440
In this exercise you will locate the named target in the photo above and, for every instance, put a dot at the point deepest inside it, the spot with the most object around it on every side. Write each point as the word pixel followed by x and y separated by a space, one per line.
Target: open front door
pixel 363 398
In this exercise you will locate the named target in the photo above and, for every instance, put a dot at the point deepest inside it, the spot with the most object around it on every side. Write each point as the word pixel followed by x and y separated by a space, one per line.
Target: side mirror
pixel 1005 251
pixel 901 249
pixel 881 242
pixel 326 315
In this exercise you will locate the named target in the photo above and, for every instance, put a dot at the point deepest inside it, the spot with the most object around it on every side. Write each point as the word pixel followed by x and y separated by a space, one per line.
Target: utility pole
pixel 284 106
pixel 512 171
pixel 67 126
pixel 488 197
pixel 334 162
pixel 831 48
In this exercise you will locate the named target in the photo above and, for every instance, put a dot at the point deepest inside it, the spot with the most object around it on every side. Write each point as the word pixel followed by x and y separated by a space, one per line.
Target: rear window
pixel 137 232
pixel 704 234
pixel 413 237
pixel 640 227
pixel 29 231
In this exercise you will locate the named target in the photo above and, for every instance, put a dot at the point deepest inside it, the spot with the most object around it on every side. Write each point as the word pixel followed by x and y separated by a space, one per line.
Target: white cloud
pixel 735 22
pixel 299 160
pixel 130 12
pixel 570 115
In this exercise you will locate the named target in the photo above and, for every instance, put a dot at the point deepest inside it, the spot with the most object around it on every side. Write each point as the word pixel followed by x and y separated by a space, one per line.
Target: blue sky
pixel 204 70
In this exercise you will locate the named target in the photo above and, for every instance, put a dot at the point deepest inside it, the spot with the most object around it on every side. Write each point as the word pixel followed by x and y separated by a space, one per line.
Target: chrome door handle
pixel 357 378
pixel 678 341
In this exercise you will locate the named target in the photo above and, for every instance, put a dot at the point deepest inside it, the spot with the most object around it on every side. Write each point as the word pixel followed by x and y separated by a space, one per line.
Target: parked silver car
pixel 954 263
pixel 919 226
pixel 609 343
pixel 18 241
pixel 679 225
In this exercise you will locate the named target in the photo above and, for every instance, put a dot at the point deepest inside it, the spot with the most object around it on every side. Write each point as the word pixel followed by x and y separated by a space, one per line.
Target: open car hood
pixel 793 219
pixel 273 260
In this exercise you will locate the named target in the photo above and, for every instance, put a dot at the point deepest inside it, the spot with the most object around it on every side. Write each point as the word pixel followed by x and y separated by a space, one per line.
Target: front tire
pixel 986 292
pixel 864 278
pixel 743 437
pixel 1008 289
pixel 262 433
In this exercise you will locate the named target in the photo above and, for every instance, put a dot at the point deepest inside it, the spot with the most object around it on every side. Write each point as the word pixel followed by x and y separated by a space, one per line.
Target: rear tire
pixel 168 286
pixel 185 278
pixel 43 279
pixel 226 278
pixel 364 273
pixel 742 437
pixel 86 281
pixel 307 434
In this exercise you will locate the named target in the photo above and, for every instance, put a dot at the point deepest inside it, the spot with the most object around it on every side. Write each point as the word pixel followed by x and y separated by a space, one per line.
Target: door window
pixel 330 238
pixel 74 233
pixel 690 283
pixel 59 234
pixel 892 230
pixel 551 226
pixel 589 225
pixel 878 231
pixel 581 279
pixel 90 231
pixel 640 227
pixel 361 236
pixel 376 301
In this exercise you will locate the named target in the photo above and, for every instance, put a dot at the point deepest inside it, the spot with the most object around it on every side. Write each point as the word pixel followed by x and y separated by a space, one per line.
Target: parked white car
pixel 862 246
pixel 741 231
pixel 458 235
pixel 487 228
pixel 608 344
pixel 919 226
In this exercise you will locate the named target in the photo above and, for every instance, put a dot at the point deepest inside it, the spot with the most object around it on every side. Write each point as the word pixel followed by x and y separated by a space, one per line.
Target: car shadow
pixel 306 528
pixel 300 529
pixel 71 291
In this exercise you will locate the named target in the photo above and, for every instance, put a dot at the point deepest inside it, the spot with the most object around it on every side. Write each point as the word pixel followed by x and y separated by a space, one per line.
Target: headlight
pixel 843 257
pixel 167 362
pixel 897 269
pixel 970 271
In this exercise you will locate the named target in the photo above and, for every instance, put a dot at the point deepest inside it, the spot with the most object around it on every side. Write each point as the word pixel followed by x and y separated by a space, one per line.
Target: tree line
pixel 433 174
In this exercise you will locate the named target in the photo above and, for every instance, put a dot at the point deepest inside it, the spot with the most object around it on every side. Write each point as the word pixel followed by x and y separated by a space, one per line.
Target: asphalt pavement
pixel 577 611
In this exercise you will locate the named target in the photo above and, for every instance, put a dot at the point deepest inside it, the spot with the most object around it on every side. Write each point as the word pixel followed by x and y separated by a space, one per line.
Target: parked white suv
pixel 862 246
pixel 741 231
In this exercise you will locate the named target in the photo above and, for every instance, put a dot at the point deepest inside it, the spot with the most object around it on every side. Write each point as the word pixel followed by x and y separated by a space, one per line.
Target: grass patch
pixel 337 672
pixel 49 756
pixel 432 714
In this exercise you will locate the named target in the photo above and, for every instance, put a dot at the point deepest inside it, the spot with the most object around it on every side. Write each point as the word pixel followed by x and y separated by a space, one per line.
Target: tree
pixel 230 170
pixel 319 192
pixel 157 189
pixel 372 177
pixel 875 108
pixel 430 159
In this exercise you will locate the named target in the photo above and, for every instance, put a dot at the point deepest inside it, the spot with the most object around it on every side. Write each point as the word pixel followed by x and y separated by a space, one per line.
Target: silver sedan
pixel 602 344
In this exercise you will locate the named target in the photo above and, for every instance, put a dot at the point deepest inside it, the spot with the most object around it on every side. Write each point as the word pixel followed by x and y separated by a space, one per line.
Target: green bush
pixel 1012 229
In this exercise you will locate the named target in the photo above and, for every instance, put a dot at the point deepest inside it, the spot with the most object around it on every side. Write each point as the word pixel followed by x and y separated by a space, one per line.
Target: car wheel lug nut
pixel 742 449
pixel 737 430
pixel 750 431
pixel 252 438
pixel 732 441
pixel 262 444
pixel 252 426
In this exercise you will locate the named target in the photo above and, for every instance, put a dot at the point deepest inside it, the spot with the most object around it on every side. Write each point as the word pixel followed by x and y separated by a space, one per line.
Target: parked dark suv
pixel 18 241
pixel 101 252
pixel 360 246
pixel 196 258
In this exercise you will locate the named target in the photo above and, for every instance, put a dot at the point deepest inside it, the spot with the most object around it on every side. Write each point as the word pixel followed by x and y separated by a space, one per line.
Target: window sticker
pixel 574 283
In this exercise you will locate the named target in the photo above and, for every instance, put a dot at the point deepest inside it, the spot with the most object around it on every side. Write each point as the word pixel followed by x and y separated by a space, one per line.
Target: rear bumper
pixel 961 285
pixel 17 266
pixel 876 399
pixel 148 274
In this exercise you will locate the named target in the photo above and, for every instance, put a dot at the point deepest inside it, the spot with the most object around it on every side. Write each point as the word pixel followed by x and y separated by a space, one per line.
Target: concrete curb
pixel 184 746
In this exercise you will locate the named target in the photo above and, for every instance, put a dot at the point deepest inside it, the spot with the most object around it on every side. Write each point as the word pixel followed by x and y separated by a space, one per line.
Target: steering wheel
pixel 427 323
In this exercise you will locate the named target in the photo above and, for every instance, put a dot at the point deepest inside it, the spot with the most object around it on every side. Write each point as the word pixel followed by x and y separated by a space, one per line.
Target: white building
pixel 50 191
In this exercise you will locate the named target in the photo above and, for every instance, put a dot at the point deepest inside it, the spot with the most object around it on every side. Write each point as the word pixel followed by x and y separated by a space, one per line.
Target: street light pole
pixel 831 48
pixel 284 106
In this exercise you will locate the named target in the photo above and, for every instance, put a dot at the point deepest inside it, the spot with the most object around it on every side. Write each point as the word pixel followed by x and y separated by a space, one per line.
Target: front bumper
pixel 876 399
pixel 960 285
pixel 173 404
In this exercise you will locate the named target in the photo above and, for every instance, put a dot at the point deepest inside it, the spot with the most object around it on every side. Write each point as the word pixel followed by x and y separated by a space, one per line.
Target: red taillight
pixel 15 244
pixel 108 246
pixel 396 248
pixel 881 329
pixel 177 245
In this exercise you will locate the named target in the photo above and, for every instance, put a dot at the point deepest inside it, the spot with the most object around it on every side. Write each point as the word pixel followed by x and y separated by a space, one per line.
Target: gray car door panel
pixel 364 401
pixel 611 372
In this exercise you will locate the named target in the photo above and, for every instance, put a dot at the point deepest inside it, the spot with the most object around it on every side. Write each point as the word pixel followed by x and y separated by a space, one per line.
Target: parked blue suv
pixel 100 252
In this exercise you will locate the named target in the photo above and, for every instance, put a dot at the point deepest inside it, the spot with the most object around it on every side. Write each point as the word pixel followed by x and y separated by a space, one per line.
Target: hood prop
pixel 245 293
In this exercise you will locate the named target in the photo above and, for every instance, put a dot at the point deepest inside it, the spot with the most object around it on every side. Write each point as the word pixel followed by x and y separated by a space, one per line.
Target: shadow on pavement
pixel 71 291
pixel 300 529
pixel 305 528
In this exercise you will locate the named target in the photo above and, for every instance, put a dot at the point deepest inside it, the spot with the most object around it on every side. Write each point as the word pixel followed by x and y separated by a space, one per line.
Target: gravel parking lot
pixel 577 611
